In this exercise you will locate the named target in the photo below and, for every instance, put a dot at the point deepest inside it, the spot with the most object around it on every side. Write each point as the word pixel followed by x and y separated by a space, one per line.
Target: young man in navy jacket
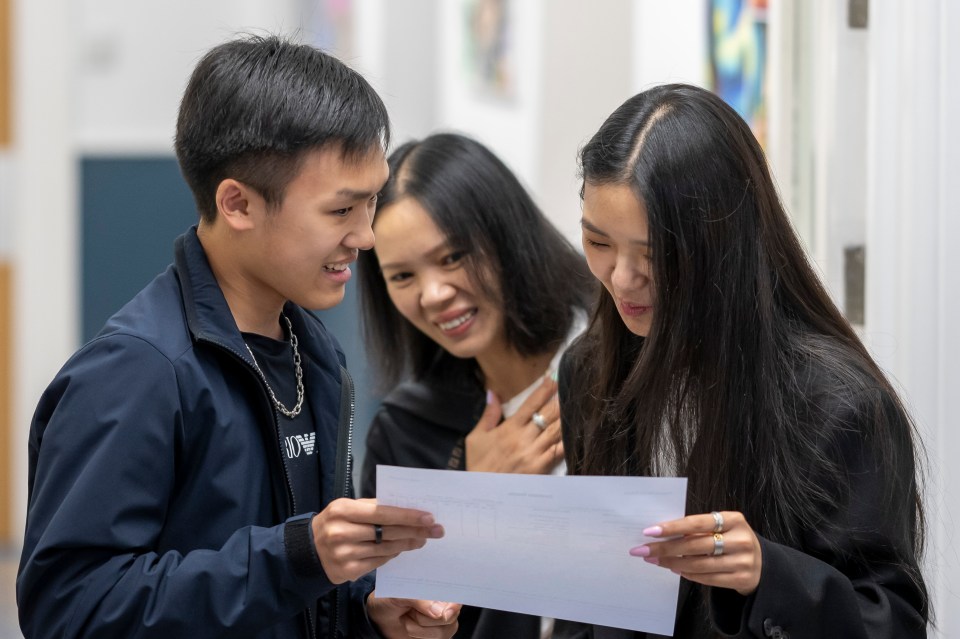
pixel 190 466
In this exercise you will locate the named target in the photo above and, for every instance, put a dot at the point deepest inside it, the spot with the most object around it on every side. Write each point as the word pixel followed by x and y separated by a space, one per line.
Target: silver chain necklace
pixel 288 413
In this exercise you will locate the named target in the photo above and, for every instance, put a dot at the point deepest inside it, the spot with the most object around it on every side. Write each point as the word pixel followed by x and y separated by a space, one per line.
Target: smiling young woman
pixel 469 298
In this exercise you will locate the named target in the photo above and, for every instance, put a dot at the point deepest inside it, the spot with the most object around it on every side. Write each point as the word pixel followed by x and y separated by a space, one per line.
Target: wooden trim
pixel 6 395
pixel 6 81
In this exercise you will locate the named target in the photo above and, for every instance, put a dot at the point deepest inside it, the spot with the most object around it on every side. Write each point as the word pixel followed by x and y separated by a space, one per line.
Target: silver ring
pixel 717 544
pixel 717 522
pixel 377 534
pixel 539 421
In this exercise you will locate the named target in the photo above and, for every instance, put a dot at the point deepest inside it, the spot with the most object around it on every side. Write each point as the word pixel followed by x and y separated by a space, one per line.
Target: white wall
pixel 587 49
pixel 398 51
pixel 840 129
pixel 7 199
pixel 913 220
pixel 669 42
pixel 132 61
pixel 45 319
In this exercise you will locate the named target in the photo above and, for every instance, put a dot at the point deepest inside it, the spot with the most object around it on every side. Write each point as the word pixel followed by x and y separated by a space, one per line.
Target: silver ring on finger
pixel 717 544
pixel 377 534
pixel 539 420
pixel 717 522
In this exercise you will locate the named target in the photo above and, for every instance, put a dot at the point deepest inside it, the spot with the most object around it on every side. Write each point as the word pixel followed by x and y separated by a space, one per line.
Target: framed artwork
pixel 737 46
pixel 330 25
pixel 488 56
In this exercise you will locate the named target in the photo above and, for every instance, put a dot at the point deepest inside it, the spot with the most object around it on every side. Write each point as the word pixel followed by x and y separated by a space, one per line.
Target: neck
pixel 508 373
pixel 251 312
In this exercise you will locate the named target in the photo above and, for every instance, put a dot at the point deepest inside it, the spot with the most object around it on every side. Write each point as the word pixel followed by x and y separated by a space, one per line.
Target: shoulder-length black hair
pixel 750 378
pixel 483 210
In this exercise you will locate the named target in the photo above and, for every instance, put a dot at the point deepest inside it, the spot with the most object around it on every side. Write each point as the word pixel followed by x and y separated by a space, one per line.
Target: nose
pixel 629 275
pixel 436 291
pixel 361 235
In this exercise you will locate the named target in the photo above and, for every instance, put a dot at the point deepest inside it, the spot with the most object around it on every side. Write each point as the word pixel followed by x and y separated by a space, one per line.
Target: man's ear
pixel 237 204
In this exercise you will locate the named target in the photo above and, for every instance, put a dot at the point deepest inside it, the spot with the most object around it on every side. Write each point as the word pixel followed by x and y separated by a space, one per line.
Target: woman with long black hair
pixel 715 353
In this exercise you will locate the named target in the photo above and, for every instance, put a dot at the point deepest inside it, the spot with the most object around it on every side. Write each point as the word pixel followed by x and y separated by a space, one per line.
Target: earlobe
pixel 235 205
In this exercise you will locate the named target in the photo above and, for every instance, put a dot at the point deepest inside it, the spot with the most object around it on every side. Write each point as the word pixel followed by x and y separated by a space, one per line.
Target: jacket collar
pixel 208 314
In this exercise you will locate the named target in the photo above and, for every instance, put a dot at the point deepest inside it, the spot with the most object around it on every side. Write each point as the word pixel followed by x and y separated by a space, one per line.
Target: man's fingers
pixel 368 511
pixel 393 533
pixel 344 533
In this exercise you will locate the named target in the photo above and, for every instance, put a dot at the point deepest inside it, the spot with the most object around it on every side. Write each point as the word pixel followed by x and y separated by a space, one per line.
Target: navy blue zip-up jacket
pixel 158 498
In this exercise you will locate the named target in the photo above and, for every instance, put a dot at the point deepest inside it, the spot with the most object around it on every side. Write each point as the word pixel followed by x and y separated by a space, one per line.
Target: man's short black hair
pixel 254 106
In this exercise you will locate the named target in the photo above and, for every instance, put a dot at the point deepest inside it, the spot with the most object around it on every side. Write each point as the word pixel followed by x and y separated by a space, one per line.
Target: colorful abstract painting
pixel 738 58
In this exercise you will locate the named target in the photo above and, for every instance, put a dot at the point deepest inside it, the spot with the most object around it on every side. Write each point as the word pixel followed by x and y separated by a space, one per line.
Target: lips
pixel 456 320
pixel 633 310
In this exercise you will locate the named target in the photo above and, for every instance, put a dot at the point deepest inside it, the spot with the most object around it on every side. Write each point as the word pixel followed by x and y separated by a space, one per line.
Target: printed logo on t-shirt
pixel 298 444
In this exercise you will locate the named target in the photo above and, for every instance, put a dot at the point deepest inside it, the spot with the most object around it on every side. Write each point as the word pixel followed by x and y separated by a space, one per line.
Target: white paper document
pixel 545 545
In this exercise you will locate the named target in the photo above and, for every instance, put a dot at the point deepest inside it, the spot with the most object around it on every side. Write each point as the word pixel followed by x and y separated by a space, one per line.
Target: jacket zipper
pixel 348 449
pixel 308 622
pixel 344 460
pixel 343 472
pixel 291 498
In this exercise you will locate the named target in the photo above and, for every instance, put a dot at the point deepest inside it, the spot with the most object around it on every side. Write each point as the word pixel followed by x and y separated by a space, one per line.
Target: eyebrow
pixel 356 195
pixel 594 229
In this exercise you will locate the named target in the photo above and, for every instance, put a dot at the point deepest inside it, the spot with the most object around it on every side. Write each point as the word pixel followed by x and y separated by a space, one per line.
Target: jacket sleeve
pixel 103 462
pixel 849 579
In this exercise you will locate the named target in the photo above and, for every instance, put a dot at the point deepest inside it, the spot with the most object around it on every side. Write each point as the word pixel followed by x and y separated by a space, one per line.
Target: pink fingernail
pixel 653 531
pixel 489 397
pixel 436 531
pixel 427 520
pixel 436 609
pixel 640 551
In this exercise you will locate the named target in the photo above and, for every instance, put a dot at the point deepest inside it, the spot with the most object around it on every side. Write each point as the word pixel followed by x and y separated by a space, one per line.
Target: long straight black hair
pixel 747 359
pixel 480 206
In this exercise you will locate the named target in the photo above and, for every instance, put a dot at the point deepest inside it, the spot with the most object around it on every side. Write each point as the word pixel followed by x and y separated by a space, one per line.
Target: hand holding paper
pixel 546 545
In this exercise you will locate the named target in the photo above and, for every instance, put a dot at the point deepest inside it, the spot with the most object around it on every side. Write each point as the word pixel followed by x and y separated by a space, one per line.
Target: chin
pixel 459 351
pixel 640 329
pixel 466 349
pixel 322 302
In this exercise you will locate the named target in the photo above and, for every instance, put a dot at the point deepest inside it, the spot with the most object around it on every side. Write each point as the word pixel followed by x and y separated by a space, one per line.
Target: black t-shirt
pixel 297 435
